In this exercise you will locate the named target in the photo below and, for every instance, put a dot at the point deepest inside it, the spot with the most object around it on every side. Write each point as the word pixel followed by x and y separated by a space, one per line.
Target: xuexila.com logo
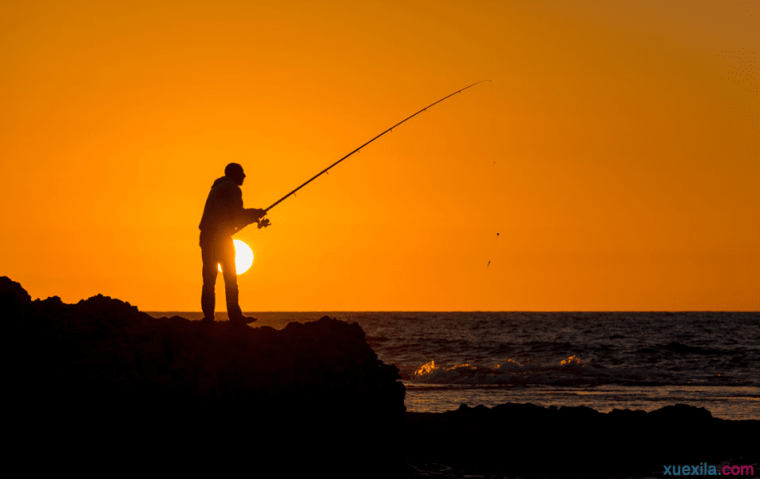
pixel 702 469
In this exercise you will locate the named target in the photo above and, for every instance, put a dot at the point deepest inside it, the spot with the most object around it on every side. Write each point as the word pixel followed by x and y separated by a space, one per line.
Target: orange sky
pixel 616 152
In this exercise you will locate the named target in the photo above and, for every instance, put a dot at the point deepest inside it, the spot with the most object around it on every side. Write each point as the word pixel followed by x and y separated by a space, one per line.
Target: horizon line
pixel 475 311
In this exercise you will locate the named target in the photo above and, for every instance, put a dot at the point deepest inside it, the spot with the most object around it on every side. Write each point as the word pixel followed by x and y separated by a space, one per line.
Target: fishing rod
pixel 266 222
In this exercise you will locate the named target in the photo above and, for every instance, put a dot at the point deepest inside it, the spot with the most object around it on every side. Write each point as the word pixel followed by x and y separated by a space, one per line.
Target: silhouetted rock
pixel 102 368
pixel 311 397
pixel 14 300
pixel 532 440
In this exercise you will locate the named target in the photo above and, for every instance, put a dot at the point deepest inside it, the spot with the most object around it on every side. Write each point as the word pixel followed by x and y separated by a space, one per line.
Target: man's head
pixel 234 172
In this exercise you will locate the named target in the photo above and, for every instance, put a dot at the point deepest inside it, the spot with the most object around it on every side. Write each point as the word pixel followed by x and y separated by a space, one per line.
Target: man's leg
pixel 229 271
pixel 208 297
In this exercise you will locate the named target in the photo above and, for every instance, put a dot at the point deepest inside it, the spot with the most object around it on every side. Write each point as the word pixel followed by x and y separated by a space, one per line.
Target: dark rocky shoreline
pixel 310 397
pixel 526 439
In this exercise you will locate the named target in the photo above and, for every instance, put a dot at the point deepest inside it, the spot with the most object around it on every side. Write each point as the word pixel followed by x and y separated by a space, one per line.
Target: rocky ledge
pixel 99 386
pixel 104 352
pixel 530 440
pixel 307 399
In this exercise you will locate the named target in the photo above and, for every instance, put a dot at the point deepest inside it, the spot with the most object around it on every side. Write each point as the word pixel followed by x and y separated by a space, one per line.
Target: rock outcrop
pixel 526 439
pixel 106 371
pixel 312 398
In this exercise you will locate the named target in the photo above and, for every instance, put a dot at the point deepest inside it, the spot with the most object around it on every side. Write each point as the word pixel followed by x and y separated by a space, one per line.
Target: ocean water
pixel 601 360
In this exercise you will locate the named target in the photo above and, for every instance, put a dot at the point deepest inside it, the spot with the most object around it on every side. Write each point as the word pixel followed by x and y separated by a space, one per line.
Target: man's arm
pixel 250 216
pixel 242 217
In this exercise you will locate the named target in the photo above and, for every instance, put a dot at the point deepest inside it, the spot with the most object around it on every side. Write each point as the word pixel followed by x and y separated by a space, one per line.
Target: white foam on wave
pixel 510 371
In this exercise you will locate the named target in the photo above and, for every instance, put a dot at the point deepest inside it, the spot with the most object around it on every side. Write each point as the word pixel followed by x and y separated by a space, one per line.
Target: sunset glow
pixel 615 151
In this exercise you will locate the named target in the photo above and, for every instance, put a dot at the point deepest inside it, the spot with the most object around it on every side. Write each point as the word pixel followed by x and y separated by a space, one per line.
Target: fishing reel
pixel 263 223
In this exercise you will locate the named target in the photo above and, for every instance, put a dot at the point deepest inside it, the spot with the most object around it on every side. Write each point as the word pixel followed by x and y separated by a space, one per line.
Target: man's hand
pixel 253 215
pixel 263 223
pixel 258 213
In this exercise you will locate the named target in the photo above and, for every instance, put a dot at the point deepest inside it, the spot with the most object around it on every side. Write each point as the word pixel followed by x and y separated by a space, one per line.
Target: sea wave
pixel 507 372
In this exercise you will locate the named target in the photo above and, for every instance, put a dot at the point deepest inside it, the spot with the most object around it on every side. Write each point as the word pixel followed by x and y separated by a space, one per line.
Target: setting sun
pixel 243 257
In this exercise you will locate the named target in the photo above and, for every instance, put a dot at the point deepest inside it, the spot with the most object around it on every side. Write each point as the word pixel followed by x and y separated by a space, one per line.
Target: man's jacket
pixel 224 212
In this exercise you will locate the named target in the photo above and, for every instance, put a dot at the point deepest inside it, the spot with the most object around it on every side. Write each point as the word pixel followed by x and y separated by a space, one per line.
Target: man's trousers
pixel 215 251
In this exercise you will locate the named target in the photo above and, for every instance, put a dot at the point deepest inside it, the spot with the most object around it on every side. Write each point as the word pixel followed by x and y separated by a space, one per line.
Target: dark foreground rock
pixel 529 440
pixel 102 370
pixel 100 386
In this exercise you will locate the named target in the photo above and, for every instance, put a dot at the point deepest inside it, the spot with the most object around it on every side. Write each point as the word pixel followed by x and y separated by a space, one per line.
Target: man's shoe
pixel 207 320
pixel 242 319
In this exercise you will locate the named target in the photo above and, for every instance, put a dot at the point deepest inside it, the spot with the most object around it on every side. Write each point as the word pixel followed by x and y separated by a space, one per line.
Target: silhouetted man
pixel 223 215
